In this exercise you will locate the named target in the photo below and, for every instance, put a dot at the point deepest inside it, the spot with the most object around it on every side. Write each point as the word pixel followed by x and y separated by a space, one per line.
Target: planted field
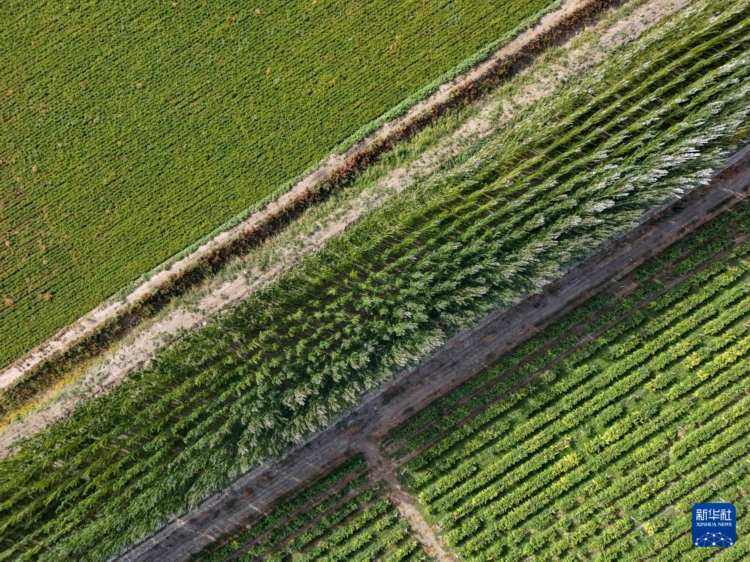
pixel 345 516
pixel 551 187
pixel 596 442
pixel 131 131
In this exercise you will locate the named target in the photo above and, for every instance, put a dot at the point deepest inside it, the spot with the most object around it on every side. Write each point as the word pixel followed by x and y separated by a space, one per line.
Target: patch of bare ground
pixel 405 504
pixel 490 114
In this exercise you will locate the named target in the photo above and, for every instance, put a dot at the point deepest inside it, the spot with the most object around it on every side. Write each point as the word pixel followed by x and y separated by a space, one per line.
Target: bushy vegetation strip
pixel 565 177
pixel 39 378
pixel 724 237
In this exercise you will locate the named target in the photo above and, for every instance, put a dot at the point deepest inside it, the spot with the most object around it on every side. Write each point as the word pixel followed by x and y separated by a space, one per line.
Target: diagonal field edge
pixel 416 118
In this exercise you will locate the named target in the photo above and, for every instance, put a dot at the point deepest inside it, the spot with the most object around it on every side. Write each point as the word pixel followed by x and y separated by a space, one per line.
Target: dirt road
pixel 462 357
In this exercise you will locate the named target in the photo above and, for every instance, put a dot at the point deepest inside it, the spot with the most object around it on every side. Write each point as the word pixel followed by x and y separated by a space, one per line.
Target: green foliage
pixel 304 503
pixel 350 522
pixel 566 176
pixel 132 130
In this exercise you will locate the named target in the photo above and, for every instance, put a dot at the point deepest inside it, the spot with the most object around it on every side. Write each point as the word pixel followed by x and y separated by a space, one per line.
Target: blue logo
pixel 714 524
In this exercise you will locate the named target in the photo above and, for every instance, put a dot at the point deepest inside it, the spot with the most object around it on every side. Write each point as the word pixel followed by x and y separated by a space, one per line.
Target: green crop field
pixel 343 517
pixel 546 190
pixel 604 452
pixel 130 130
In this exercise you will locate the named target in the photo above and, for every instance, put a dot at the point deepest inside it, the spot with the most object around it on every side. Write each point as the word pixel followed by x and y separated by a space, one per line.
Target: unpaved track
pixel 113 367
pixel 111 308
pixel 405 504
pixel 463 356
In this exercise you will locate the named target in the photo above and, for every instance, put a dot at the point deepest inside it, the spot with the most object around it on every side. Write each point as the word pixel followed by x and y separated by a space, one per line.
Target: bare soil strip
pixel 334 167
pixel 464 356
pixel 494 112
pixel 405 504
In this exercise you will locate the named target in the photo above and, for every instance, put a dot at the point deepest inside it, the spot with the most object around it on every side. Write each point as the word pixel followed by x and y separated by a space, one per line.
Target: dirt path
pixel 111 308
pixel 405 504
pixel 463 356
pixel 493 112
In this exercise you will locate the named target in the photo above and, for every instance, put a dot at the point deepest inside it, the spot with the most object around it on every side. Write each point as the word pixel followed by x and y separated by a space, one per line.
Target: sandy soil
pixel 493 113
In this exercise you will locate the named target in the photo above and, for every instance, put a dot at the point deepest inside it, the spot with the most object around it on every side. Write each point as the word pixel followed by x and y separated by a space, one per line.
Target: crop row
pixel 556 389
pixel 664 419
pixel 343 517
pixel 330 489
pixel 532 200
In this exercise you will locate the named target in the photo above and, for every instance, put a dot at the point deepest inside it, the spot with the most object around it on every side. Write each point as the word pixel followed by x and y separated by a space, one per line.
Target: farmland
pixel 593 438
pixel 687 264
pixel 261 378
pixel 130 132
pixel 622 295
pixel 250 251
pixel 617 435
pixel 452 454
